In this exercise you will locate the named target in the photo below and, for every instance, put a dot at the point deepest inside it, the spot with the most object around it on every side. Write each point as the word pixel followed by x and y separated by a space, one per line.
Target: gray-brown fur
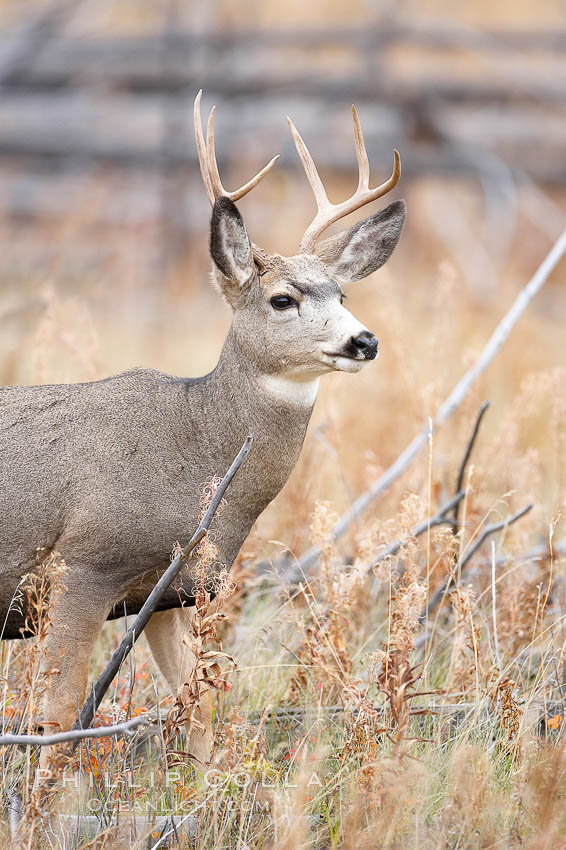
pixel 110 473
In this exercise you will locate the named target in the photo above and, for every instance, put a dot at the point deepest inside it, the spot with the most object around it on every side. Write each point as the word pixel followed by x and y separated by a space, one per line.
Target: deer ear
pixel 356 253
pixel 230 248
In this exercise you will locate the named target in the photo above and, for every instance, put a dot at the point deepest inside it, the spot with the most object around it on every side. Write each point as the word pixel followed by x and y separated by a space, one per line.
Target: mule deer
pixel 109 473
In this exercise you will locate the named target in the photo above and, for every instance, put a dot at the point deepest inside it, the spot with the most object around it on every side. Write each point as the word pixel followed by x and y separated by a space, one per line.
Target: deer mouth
pixel 345 362
pixel 335 354
pixel 356 358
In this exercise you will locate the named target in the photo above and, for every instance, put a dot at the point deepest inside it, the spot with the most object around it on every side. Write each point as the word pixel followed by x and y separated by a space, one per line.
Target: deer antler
pixel 209 169
pixel 328 213
pixel 208 164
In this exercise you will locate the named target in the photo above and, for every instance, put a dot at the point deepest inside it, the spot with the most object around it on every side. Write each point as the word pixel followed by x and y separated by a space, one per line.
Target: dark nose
pixel 366 344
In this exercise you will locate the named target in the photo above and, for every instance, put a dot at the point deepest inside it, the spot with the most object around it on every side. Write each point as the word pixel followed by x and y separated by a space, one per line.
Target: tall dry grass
pixel 348 721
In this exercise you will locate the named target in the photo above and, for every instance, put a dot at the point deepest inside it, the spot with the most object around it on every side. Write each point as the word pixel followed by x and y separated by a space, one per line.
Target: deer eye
pixel 283 302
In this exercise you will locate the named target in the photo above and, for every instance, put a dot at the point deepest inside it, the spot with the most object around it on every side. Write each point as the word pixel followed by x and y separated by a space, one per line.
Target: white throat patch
pixel 291 390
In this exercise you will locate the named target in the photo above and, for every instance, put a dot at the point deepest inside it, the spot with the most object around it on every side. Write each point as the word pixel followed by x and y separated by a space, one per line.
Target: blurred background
pixel 104 266
pixel 103 216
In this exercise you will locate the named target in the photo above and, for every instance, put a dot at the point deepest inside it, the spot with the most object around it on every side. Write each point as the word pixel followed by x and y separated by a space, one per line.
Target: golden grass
pixel 361 760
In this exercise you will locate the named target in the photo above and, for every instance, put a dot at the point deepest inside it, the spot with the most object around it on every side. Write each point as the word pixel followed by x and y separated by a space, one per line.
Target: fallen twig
pixel 102 684
pixel 467 455
pixel 452 402
pixel 281 714
pixel 73 735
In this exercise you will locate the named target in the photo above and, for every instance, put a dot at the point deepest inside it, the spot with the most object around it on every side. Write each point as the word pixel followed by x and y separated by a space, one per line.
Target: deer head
pixel 289 314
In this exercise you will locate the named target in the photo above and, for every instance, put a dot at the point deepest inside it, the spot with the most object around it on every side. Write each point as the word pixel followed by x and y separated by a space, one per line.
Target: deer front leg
pixel 165 632
pixel 77 615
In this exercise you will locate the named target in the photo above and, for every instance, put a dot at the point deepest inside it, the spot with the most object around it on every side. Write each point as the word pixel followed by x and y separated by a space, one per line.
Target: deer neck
pixel 237 399
pixel 254 396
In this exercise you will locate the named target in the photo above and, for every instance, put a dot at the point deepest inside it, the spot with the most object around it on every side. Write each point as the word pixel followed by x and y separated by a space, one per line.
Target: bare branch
pixel 467 455
pixel 308 711
pixel 441 592
pixel 88 710
pixel 452 402
pixel 440 518
pixel 75 735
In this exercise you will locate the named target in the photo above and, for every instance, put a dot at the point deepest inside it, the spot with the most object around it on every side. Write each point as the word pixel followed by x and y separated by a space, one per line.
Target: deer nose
pixel 366 344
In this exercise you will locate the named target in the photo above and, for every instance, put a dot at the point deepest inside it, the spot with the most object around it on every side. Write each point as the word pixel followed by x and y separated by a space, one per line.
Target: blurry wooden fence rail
pixel 75 102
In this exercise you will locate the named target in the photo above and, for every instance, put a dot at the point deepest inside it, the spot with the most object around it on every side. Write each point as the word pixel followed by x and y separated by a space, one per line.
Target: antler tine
pixel 201 149
pixel 328 213
pixel 209 166
pixel 310 168
pixel 211 177
pixel 217 187
pixel 361 152
pixel 247 187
